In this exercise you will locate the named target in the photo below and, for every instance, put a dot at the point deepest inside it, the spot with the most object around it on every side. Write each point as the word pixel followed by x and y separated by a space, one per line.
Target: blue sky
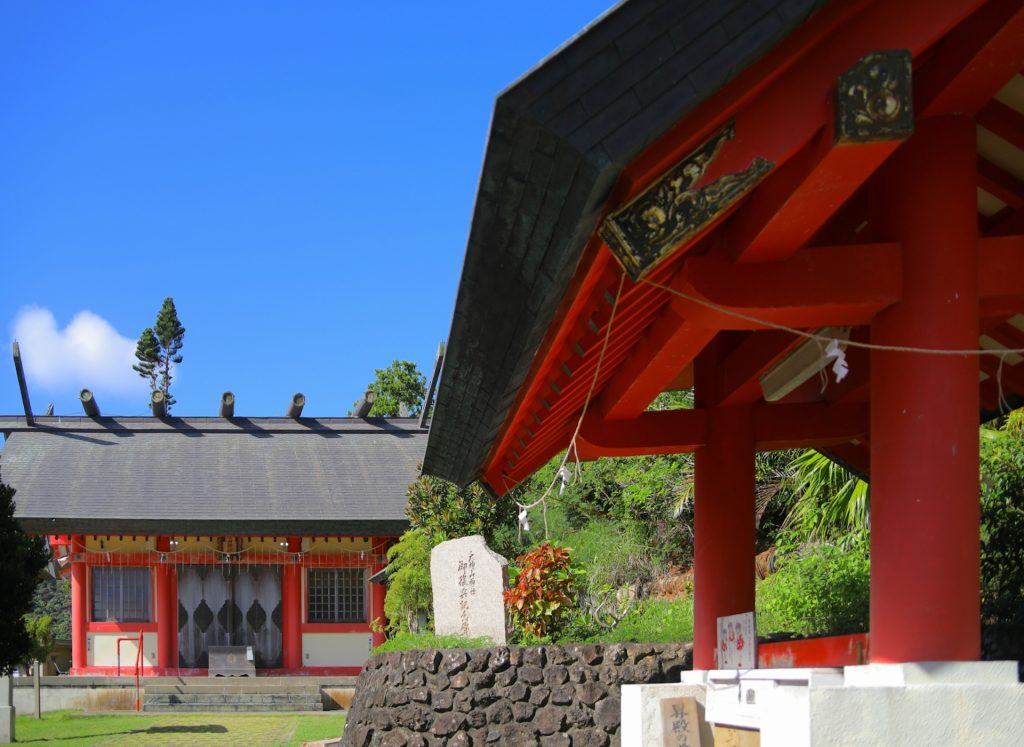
pixel 298 176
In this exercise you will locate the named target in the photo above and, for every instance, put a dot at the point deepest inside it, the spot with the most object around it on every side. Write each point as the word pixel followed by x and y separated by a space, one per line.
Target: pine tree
pixel 147 350
pixel 158 350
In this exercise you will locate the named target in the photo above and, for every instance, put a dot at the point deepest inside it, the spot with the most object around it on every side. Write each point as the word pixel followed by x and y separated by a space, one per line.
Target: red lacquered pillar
pixel 166 608
pixel 291 606
pixel 924 408
pixel 724 527
pixel 79 605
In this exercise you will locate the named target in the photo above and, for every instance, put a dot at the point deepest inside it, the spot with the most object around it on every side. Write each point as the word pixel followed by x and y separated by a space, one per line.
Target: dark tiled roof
pixel 277 476
pixel 559 139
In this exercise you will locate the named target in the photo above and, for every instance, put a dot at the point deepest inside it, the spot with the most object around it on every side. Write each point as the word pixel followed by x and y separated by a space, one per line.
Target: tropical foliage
pixel 409 589
pixel 821 589
pixel 542 596
pixel 399 384
pixel 1002 538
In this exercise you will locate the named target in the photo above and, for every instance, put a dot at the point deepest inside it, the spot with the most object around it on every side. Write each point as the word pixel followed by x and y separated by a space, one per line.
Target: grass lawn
pixel 75 729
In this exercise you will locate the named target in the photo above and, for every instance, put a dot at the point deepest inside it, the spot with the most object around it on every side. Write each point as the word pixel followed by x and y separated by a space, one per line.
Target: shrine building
pixel 809 211
pixel 204 531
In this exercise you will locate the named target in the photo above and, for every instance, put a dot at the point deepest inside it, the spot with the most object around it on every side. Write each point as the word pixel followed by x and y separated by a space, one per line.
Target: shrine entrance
pixel 229 605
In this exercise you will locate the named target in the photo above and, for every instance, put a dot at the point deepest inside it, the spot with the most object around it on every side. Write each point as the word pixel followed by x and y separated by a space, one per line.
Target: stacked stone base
pixel 540 695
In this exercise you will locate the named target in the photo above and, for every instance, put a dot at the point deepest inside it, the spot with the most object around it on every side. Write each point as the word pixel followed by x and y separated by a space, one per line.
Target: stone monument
pixel 468 580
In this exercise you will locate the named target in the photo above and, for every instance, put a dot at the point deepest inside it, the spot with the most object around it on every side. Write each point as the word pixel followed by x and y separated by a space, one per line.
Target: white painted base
pixel 641 712
pixel 962 704
pixel 912 716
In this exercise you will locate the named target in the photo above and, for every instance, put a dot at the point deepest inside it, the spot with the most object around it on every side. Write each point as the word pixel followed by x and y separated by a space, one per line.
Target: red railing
pixel 138 665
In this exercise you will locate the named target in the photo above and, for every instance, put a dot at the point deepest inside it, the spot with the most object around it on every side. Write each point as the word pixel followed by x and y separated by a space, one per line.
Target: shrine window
pixel 120 595
pixel 336 595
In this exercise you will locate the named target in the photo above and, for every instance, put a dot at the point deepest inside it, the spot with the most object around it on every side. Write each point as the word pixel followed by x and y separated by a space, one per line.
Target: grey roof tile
pixel 343 477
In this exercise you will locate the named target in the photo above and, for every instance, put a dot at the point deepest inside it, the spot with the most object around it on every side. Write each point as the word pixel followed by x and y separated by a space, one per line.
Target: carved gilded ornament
pixel 654 224
pixel 875 99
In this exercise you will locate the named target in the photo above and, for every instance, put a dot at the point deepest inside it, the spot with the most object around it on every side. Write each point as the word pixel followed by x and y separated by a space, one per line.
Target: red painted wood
pixel 924 409
pixel 776 427
pixel 336 627
pixel 123 627
pixel 668 432
pixel 670 346
pixel 739 373
pixel 291 608
pixel 724 527
pixel 973 62
pixel 801 426
pixel 79 605
pixel 829 651
pixel 166 609
pixel 796 200
pixel 814 278
pixel 1001 271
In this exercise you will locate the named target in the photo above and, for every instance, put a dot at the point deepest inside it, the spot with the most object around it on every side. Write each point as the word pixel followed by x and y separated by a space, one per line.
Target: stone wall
pixel 540 695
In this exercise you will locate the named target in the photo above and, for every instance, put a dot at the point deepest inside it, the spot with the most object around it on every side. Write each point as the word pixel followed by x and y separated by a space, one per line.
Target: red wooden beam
pixel 855 456
pixel 789 207
pixel 973 62
pixel 778 426
pixel 671 345
pixel 666 432
pixel 739 372
pixel 809 284
pixel 784 426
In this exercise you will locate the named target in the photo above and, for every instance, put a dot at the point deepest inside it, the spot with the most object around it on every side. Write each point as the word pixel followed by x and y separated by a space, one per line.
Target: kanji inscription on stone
pixel 468 581
pixel 679 725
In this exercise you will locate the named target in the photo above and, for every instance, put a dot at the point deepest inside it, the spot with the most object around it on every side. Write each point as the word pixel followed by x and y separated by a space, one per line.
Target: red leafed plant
pixel 543 593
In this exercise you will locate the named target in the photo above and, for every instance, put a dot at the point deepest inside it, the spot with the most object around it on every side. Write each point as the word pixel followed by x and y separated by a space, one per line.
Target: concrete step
pixel 232 695
pixel 230 708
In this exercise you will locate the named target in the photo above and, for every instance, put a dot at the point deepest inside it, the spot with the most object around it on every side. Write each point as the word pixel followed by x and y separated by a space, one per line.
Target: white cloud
pixel 88 352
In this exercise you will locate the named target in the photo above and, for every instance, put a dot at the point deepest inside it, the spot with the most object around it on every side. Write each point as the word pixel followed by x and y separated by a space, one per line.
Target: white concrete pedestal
pixel 641 712
pixel 963 704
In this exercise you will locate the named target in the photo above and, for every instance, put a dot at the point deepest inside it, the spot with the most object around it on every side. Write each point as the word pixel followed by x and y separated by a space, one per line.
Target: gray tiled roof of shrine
pixel 560 136
pixel 204 476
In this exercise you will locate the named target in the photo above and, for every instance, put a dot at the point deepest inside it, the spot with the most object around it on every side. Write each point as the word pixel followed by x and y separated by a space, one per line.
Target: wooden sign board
pixel 679 722
pixel 737 642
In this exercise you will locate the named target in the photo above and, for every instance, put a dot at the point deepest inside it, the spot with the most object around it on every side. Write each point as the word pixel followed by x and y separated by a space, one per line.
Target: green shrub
pixel 409 589
pixel 1002 541
pixel 652 621
pixel 406 641
pixel 821 589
